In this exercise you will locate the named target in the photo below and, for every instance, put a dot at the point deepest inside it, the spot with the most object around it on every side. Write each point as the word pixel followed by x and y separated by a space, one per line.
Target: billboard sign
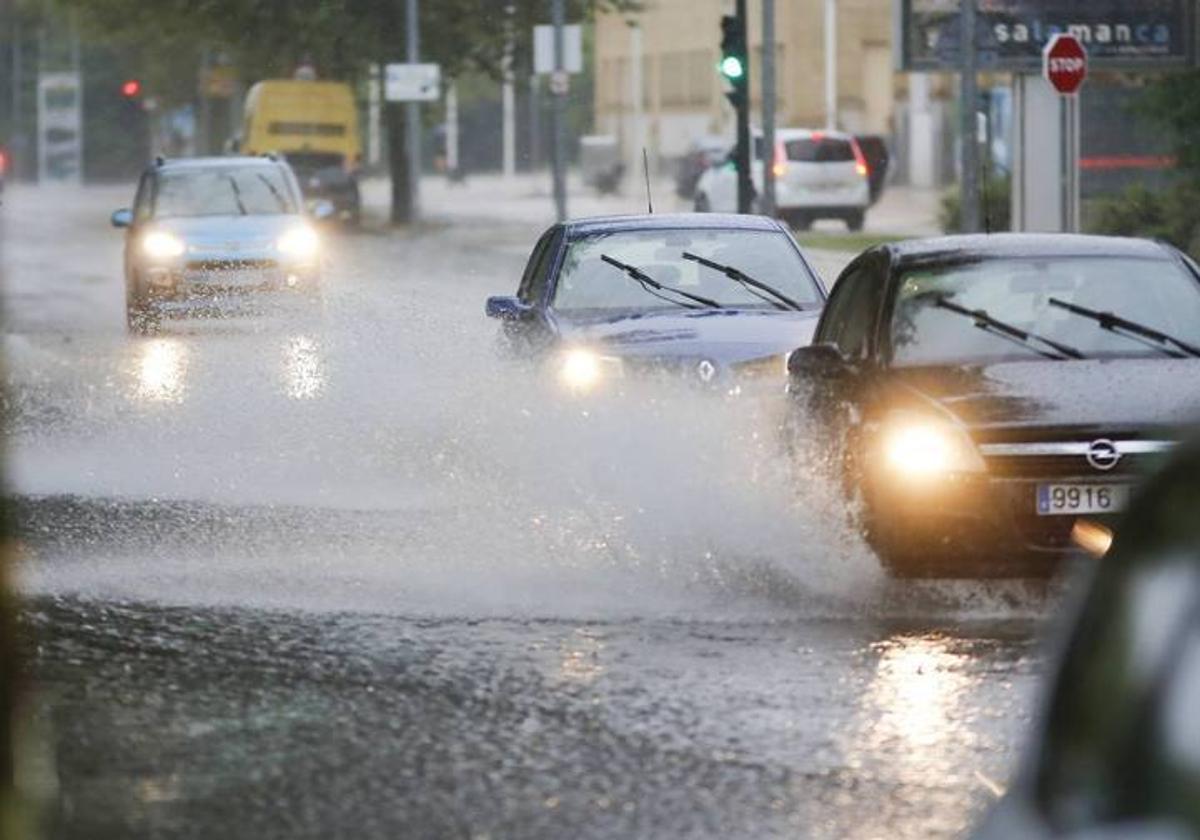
pixel 1012 34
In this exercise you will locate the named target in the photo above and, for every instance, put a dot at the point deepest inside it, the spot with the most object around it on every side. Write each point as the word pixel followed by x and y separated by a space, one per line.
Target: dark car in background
pixel 702 154
pixel 704 298
pixel 986 393
pixel 1117 751
pixel 875 150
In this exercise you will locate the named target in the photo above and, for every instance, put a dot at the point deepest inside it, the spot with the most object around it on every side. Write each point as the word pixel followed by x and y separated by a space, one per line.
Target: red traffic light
pixel 131 88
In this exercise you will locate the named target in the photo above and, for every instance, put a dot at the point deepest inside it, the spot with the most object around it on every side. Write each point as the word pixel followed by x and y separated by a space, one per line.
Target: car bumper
pixel 977 525
pixel 209 278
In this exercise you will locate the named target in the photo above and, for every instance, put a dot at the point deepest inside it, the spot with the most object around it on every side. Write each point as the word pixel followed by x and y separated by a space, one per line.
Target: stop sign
pixel 1064 63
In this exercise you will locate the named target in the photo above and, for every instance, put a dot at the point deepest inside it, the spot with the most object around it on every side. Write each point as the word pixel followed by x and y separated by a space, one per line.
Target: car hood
pixel 1100 395
pixel 218 230
pixel 725 337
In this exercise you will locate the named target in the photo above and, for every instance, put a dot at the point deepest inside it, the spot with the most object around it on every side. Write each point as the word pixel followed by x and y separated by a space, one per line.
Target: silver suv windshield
pixel 1157 293
pixel 223 191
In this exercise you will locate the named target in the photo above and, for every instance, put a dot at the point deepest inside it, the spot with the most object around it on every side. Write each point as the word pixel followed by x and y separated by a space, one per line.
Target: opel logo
pixel 1103 454
pixel 706 370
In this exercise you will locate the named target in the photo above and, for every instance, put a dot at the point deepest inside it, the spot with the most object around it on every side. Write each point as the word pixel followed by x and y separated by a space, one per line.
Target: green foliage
pixel 269 38
pixel 1174 103
pixel 996 196
pixel 1172 215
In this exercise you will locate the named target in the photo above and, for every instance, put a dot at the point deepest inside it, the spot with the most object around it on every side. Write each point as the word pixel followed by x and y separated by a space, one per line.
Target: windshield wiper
pixel 1132 329
pixel 1026 339
pixel 283 206
pixel 754 287
pixel 651 285
pixel 237 194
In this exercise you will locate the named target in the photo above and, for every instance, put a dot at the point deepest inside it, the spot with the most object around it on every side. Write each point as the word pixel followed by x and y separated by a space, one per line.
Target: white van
pixel 818 175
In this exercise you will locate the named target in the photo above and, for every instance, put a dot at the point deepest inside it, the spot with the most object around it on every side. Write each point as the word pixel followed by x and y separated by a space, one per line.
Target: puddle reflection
pixel 162 370
pixel 917 707
pixel 303 367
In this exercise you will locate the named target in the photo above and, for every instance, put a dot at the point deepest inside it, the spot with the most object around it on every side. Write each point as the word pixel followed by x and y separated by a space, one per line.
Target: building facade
pixel 682 95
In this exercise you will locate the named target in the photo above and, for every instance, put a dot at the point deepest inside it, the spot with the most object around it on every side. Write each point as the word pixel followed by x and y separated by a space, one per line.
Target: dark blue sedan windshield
pixel 586 283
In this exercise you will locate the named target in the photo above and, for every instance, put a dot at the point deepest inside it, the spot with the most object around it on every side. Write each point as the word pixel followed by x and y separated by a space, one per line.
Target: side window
pixel 852 311
pixel 141 201
pixel 533 283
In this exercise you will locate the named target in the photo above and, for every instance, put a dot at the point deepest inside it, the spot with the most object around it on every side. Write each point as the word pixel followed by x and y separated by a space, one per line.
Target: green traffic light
pixel 731 67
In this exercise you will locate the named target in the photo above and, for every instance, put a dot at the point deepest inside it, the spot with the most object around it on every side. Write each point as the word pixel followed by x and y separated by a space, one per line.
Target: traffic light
pixel 131 88
pixel 735 68
pixel 733 50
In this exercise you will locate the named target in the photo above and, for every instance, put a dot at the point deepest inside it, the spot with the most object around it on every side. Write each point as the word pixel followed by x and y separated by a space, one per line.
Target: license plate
pixel 232 277
pixel 1071 499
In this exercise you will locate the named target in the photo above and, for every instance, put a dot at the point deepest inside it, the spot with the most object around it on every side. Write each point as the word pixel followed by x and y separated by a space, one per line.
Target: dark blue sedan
pixel 709 298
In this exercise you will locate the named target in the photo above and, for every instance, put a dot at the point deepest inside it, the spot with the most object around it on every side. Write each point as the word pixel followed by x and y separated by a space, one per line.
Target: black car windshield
pixel 1156 293
pixel 587 284
pixel 223 191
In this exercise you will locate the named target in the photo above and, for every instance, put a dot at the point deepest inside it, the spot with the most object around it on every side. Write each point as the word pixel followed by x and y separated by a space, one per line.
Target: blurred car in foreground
pixel 210 227
pixel 707 298
pixel 1117 751
pixel 818 175
pixel 988 391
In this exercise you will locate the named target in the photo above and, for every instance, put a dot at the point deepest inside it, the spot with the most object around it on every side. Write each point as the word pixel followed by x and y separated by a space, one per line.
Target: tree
pixel 1171 214
pixel 269 38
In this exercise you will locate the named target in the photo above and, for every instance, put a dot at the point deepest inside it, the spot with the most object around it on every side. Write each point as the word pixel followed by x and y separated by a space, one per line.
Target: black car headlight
pixel 915 446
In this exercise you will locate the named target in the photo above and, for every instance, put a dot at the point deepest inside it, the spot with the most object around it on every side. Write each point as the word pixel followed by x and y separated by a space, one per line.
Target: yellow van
pixel 314 126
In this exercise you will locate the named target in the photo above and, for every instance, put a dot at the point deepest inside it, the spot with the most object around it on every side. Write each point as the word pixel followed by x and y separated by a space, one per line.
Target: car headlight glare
pixel 918 447
pixel 162 245
pixel 301 242
pixel 582 369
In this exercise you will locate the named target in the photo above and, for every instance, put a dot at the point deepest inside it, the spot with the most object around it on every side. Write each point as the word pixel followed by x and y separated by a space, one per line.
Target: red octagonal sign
pixel 1064 63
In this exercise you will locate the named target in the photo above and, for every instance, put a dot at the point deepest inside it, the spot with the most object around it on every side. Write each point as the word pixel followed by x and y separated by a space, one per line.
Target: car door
pixel 534 291
pixel 142 207
pixel 850 323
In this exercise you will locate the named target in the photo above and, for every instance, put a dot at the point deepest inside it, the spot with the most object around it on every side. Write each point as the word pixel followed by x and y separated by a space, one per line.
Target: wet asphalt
pixel 334 570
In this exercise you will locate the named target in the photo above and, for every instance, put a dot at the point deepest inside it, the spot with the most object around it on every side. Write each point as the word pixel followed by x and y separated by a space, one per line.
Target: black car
pixel 324 177
pixel 984 393
pixel 713 299
pixel 1117 751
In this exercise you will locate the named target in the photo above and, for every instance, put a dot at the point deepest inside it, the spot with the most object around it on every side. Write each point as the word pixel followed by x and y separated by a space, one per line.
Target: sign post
pixel 1064 66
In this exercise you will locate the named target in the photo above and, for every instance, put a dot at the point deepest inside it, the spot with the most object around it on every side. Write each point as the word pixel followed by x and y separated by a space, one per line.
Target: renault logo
pixel 706 370
pixel 1103 454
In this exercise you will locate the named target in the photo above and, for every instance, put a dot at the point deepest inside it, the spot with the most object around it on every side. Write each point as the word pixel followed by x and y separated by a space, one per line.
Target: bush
pixel 1172 215
pixel 996 197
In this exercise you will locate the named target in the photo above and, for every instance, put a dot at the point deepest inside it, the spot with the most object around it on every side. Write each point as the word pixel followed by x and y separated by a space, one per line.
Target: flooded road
pixel 335 568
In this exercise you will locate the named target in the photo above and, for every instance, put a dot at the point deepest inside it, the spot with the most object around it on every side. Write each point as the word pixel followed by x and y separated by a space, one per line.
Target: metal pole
pixel 374 113
pixel 18 83
pixel 560 156
pixel 745 153
pixel 452 128
pixel 969 106
pixel 831 63
pixel 535 122
pixel 768 106
pixel 637 138
pixel 204 123
pixel 412 115
pixel 508 99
